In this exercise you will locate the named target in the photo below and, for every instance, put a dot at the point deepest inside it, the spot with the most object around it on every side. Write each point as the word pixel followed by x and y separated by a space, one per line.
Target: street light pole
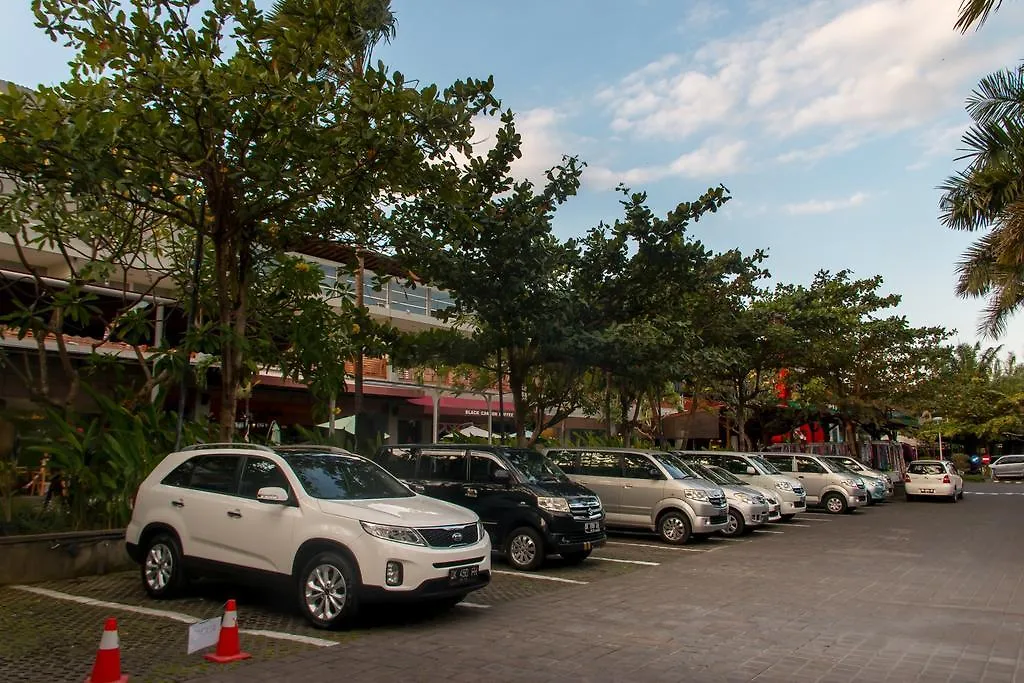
pixel 939 420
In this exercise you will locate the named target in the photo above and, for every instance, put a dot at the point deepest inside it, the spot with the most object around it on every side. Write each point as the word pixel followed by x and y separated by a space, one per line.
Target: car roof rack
pixel 314 448
pixel 228 444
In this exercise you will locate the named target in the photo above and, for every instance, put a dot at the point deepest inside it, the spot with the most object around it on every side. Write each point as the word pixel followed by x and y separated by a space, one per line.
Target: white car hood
pixel 415 511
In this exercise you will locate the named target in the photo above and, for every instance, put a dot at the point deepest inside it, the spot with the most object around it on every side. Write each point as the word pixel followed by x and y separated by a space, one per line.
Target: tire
pixel 835 504
pixel 325 575
pixel 577 557
pixel 961 494
pixel 674 527
pixel 737 526
pixel 524 549
pixel 163 570
pixel 788 518
pixel 954 498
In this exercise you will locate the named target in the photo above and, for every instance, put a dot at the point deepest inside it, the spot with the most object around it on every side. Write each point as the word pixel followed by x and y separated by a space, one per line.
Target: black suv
pixel 528 506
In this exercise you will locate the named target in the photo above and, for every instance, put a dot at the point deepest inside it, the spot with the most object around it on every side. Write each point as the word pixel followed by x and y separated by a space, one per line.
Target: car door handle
pixel 178 503
pixel 234 513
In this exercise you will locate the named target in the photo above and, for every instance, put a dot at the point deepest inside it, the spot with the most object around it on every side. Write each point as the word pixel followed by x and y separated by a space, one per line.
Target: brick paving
pixel 901 592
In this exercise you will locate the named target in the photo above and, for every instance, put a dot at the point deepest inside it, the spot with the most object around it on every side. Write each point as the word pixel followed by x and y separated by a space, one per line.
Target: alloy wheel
pixel 326 592
pixel 159 566
pixel 673 528
pixel 523 550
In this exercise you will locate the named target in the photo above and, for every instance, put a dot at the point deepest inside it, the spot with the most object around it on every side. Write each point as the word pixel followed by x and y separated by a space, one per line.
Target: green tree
pixel 988 195
pixel 975 13
pixel 251 130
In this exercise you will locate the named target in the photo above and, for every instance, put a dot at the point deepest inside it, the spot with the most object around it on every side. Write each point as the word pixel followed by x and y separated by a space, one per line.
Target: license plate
pixel 927 490
pixel 460 575
pixel 591 527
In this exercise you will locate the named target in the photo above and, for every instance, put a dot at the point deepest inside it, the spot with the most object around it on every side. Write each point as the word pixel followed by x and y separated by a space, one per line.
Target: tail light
pixel 945 479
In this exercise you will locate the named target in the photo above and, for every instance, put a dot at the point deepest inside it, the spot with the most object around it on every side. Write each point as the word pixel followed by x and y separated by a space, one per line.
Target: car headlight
pixel 852 483
pixel 696 494
pixel 784 486
pixel 745 498
pixel 398 534
pixel 553 504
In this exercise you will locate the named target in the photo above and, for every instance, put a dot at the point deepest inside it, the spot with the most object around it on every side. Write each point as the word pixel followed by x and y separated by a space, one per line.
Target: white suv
pixel 332 527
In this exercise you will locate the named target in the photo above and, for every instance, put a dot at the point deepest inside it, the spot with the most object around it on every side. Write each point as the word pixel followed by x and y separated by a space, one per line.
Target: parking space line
pixel 474 605
pixel 726 538
pixel 659 547
pixel 613 559
pixel 767 531
pixel 813 519
pixel 166 614
pixel 541 577
pixel 788 524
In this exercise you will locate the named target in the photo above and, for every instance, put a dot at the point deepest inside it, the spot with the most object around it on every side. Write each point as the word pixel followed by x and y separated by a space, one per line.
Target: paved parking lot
pixel 901 592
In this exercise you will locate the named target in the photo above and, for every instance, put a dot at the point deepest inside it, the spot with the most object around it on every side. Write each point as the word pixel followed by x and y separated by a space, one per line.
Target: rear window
pixel 926 468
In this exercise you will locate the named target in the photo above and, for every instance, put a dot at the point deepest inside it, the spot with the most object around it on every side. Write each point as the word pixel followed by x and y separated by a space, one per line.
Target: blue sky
pixel 831 122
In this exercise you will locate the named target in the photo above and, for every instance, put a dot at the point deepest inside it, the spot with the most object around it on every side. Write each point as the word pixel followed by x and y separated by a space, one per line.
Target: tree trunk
pixel 515 381
pixel 627 426
pixel 360 280
pixel 608 402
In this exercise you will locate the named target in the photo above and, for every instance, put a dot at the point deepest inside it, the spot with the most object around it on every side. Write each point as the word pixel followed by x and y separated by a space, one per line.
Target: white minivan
pixel 332 528
pixel 752 467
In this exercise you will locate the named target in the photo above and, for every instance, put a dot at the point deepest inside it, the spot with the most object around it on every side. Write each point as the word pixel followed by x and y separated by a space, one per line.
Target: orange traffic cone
pixel 107 668
pixel 228 647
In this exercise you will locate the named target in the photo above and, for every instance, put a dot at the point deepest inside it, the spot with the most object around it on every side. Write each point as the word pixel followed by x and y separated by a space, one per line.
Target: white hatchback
pixel 933 478
pixel 333 528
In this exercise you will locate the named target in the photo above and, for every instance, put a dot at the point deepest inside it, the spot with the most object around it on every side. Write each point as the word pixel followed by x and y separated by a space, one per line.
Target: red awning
pixel 451 405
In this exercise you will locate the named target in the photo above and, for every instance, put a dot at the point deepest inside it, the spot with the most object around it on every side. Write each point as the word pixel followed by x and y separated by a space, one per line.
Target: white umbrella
pixel 345 424
pixel 473 430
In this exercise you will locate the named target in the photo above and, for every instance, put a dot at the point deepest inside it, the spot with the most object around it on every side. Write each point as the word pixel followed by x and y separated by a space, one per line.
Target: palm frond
pixel 998 96
pixel 975 13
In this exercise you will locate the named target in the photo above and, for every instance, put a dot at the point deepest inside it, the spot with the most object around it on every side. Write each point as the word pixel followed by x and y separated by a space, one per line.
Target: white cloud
pixel 710 161
pixel 818 206
pixel 848 70
pixel 544 142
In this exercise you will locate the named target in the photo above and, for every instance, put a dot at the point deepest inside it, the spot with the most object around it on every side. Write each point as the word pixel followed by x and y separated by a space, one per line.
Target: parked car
pixel 528 505
pixel 772 497
pixel 939 478
pixel 879 486
pixel 644 489
pixel 332 528
pixel 1008 467
pixel 754 469
pixel 748 509
pixel 828 485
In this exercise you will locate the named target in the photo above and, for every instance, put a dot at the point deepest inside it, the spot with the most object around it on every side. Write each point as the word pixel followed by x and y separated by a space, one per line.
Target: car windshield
pixel 726 476
pixel 837 466
pixel 534 467
pixel 848 463
pixel 676 468
pixel 705 472
pixel 330 476
pixel 762 464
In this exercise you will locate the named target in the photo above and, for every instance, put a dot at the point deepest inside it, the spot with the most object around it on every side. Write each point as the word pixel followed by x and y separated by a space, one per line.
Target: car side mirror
pixel 274 495
pixel 751 470
pixel 654 473
pixel 501 476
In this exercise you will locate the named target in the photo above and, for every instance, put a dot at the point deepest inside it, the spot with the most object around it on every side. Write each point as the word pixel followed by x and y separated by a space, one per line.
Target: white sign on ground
pixel 203 634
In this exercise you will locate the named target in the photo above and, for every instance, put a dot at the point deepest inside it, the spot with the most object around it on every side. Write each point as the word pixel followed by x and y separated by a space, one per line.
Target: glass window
pixel 259 473
pixel 216 473
pixel 926 468
pixel 735 465
pixel 400 462
pixel 725 477
pixel 442 466
pixel 598 464
pixel 809 465
pixel 180 475
pixel 440 300
pixel 676 467
pixel 407 299
pixel 344 477
pixel 783 463
pixel 565 460
pixel 533 466
pixel 482 468
pixel 636 467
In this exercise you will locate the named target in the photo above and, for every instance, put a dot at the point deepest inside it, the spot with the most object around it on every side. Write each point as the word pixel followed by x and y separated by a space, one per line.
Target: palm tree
pixel 989 195
pixel 975 13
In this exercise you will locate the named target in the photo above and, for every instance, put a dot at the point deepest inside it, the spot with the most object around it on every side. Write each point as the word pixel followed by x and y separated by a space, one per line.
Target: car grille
pixel 798 490
pixel 716 500
pixel 585 507
pixel 450 536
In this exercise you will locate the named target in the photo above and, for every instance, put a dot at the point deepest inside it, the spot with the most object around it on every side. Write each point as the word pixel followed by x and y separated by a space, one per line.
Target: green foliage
pixel 321 437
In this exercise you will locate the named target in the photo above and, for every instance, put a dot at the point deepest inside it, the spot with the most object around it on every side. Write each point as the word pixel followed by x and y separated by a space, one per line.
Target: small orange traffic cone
pixel 228 647
pixel 107 668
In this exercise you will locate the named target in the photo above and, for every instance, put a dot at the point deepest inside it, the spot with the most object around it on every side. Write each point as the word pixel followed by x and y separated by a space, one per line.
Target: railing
pixel 393 296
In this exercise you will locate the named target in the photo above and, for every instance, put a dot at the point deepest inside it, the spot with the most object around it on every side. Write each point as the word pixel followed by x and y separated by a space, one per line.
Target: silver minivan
pixel 828 484
pixel 748 508
pixel 1008 467
pixel 754 469
pixel 880 486
pixel 643 489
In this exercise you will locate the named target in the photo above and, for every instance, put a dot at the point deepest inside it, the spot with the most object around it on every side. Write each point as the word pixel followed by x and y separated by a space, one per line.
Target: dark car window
pixel 735 465
pixel 400 462
pixel 598 464
pixel 926 468
pixel 216 473
pixel 636 466
pixel 181 475
pixel 809 465
pixel 482 468
pixel 331 476
pixel 260 473
pixel 534 467
pixel 566 461
pixel 442 466
pixel 781 463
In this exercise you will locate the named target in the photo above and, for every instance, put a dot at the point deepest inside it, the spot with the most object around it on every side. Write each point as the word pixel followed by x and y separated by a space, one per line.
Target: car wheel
pixel 736 526
pixel 327 591
pixel 954 498
pixel 575 558
pixel 788 518
pixel 961 494
pixel 835 504
pixel 674 527
pixel 163 571
pixel 525 549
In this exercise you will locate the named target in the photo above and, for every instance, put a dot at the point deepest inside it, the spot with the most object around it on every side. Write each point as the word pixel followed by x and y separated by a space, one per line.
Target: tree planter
pixel 66 555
